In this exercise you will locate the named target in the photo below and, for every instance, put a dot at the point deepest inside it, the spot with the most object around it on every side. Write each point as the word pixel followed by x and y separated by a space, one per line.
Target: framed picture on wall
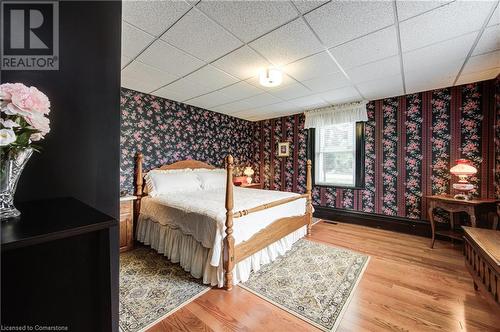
pixel 284 149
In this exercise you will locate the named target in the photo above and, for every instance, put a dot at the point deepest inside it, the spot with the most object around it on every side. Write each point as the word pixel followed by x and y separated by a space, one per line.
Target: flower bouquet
pixel 23 121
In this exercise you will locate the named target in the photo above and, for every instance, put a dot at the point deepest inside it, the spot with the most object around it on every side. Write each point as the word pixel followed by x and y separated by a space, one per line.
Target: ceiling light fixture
pixel 270 77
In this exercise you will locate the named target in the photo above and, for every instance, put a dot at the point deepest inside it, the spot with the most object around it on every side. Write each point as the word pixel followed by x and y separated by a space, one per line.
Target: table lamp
pixel 248 172
pixel 463 169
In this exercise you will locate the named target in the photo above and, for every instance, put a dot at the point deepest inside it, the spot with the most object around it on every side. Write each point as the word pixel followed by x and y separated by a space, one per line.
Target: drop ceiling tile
pixel 132 83
pixel 327 82
pixel 241 90
pixel 211 77
pixel 408 9
pixel 183 89
pixel 375 70
pixel 262 100
pixel 287 43
pixel 151 77
pixel 311 67
pixel 233 107
pixel 249 19
pixel 291 91
pixel 125 60
pixel 375 46
pixel 210 100
pixel 278 107
pixel 243 63
pixel 134 40
pixel 432 77
pixel 201 37
pixel 167 58
pixel 455 19
pixel 495 18
pixel 342 95
pixel 305 6
pixel 341 21
pixel 440 54
pixel 489 42
pixel 153 16
pixel 309 102
pixel 387 87
pixel 478 76
pixel 482 62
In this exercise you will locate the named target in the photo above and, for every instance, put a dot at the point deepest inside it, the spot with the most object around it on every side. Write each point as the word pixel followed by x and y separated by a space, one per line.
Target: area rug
pixel 151 288
pixel 312 281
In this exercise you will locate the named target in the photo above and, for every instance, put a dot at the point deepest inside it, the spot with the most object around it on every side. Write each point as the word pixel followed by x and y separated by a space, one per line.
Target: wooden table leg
pixel 433 226
pixel 473 219
pixel 494 221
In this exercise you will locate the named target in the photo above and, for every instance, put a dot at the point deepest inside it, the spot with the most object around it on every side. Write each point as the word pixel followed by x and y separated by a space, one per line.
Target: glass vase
pixel 11 167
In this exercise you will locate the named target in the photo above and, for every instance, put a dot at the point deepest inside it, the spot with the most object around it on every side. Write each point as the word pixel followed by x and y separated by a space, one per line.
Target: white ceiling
pixel 208 53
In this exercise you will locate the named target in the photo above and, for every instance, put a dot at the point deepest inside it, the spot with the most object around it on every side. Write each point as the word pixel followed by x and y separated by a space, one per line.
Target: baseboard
pixel 390 223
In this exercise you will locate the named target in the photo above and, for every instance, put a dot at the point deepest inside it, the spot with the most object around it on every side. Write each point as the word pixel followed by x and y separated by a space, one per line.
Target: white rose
pixel 7 136
pixel 8 123
pixel 36 137
pixel 39 122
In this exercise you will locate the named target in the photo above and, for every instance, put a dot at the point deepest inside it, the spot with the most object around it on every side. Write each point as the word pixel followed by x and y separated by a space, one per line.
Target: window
pixel 339 155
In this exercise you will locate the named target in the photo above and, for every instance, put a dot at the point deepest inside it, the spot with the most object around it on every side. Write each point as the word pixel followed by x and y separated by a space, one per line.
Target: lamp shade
pixel 248 171
pixel 463 167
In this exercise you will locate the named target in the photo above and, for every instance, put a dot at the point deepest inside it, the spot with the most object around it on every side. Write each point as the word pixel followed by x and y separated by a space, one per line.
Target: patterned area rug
pixel 151 287
pixel 312 281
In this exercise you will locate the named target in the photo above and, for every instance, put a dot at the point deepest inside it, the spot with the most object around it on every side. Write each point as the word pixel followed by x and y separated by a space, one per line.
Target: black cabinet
pixel 59 267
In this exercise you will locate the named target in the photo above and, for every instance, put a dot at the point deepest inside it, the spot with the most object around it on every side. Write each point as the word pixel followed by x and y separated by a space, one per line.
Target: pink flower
pixel 27 99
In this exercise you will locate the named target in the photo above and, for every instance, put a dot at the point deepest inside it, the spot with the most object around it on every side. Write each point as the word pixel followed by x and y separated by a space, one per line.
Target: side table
pixel 474 208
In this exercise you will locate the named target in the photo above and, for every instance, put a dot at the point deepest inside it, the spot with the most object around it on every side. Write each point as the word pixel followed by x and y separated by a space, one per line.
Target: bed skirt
pixel 195 259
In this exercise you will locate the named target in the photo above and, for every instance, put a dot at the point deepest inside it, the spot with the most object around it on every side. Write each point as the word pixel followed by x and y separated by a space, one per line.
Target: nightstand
pixel 254 185
pixel 126 223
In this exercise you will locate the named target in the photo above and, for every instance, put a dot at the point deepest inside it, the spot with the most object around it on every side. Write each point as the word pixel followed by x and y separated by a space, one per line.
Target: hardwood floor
pixel 406 287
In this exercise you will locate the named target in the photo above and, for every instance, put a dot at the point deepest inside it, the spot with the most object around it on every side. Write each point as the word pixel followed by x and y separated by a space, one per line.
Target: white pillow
pixel 212 179
pixel 160 182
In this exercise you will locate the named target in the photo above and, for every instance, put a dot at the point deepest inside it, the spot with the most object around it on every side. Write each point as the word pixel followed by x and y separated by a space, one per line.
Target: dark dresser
pixel 59 267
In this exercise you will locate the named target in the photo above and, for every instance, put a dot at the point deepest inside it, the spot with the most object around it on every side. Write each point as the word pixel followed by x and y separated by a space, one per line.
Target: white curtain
pixel 342 113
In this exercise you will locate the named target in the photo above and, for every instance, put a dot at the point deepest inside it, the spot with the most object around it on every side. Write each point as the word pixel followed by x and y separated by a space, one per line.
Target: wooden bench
pixel 482 258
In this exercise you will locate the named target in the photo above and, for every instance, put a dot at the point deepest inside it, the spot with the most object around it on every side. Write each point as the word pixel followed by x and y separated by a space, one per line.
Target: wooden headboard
pixel 183 164
pixel 139 175
pixel 194 164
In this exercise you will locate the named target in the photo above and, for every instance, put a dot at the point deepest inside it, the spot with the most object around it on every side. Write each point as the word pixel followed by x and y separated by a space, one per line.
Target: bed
pixel 220 234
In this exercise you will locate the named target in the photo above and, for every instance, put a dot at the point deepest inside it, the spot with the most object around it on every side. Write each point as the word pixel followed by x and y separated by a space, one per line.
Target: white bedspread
pixel 202 214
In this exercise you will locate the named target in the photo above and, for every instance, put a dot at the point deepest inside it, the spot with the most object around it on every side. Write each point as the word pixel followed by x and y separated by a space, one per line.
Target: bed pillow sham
pixel 160 182
pixel 212 179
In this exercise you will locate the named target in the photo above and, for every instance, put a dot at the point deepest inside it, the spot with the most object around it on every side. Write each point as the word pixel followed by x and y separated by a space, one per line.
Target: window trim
pixel 360 158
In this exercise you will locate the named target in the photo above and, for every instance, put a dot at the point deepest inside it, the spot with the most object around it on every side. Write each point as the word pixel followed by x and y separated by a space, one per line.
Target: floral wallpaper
pixel 413 158
pixel 166 131
pixel 436 128
pixel 407 155
pixel 368 194
pixel 471 130
pixel 390 156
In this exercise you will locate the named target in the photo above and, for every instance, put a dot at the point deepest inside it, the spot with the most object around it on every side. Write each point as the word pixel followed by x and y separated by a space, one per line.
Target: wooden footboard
pixel 272 233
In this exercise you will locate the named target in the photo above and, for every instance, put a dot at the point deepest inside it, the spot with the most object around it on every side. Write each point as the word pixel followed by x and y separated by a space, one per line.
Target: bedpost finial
pixel 230 159
pixel 309 162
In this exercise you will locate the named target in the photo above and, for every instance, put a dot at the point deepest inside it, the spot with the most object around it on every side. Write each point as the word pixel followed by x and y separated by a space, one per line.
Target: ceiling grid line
pixel 400 51
pixel 287 97
pixel 156 37
pixel 327 50
pixel 476 41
